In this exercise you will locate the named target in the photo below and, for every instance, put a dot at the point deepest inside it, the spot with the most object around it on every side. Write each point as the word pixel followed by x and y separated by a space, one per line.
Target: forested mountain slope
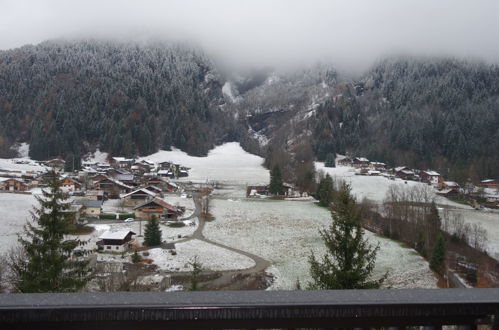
pixel 127 98
pixel 132 98
pixel 438 113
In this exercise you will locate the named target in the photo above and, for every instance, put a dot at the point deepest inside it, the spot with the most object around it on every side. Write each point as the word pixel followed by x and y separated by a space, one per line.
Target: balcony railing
pixel 250 309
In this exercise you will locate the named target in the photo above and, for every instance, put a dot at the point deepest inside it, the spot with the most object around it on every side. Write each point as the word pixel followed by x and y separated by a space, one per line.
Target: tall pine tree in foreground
pixel 49 262
pixel 276 186
pixel 437 262
pixel 349 260
pixel 152 234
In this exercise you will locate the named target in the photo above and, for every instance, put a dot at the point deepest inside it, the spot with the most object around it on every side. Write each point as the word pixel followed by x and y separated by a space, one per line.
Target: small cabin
pixel 117 242
pixel 157 207
pixel 14 185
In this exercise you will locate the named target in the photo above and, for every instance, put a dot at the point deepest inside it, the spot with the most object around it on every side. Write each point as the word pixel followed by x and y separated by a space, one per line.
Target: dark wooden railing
pixel 250 309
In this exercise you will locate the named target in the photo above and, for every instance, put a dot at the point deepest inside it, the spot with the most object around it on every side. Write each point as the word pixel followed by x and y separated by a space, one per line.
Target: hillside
pixel 67 97
pixel 128 98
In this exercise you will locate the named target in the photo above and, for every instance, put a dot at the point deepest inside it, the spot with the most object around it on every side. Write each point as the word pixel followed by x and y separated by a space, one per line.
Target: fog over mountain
pixel 286 33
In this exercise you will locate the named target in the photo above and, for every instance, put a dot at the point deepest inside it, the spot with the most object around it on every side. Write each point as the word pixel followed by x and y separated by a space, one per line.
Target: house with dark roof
pixel 117 241
pixel 157 207
pixel 90 208
pixel 138 196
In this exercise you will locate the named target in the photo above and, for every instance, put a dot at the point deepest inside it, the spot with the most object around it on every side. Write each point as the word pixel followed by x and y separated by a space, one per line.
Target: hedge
pixel 109 216
pixel 124 216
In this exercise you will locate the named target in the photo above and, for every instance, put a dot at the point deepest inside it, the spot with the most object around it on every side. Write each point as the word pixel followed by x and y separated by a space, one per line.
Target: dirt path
pixel 228 275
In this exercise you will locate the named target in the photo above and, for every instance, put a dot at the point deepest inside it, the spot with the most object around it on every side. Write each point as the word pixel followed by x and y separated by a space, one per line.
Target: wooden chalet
pixel 347 161
pixel 157 207
pixel 116 242
pixel 138 196
pixel 377 166
pixel 444 185
pixel 155 189
pixel 57 163
pixel 94 195
pixel 255 191
pixel 90 208
pixel 121 162
pixel 489 183
pixel 449 193
pixel 404 173
pixel 359 162
pixel 112 188
pixel 14 185
pixel 71 184
pixel 430 177
pixel 165 165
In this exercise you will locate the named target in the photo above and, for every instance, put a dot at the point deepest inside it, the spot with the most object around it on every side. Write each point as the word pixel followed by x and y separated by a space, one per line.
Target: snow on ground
pixel 210 256
pixel 285 233
pixel 373 188
pixel 23 150
pixel 488 219
pixel 227 162
pixel 14 212
pixel 97 157
pixel 20 164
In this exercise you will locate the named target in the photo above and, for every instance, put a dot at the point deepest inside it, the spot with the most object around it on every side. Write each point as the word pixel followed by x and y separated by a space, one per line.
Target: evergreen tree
pixel 49 262
pixel 330 160
pixel 276 186
pixel 349 260
pixel 72 163
pixel 152 233
pixel 437 262
pixel 325 191
pixel 197 268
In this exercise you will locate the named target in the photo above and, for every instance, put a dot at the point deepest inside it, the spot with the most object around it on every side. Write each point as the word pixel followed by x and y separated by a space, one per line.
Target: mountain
pixel 127 98
pixel 427 113
pixel 130 98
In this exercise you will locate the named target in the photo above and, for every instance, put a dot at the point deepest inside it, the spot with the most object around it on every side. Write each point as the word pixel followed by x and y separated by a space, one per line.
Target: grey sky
pixel 265 32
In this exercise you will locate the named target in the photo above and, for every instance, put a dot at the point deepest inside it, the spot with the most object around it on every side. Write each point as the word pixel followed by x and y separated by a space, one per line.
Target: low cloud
pixel 351 34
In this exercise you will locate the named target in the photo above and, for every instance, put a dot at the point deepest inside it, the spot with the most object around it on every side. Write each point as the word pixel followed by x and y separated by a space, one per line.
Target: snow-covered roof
pixel 400 168
pixel 164 172
pixel 122 234
pixel 487 180
pixel 150 193
pixel 432 173
pixel 361 159
pixel 451 184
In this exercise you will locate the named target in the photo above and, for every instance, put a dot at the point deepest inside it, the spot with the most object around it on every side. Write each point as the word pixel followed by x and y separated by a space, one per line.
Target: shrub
pixel 107 216
pixel 124 216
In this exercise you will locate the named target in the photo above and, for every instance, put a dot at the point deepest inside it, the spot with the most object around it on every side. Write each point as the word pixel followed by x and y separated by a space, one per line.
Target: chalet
pixel 71 184
pixel 430 177
pixel 138 196
pixel 121 162
pixel 347 161
pixel 359 162
pixel 165 174
pixel 449 185
pixel 90 208
pixel 118 241
pixel 373 173
pixel 255 191
pixel 171 187
pixel 404 172
pixel 489 183
pixel 14 185
pixel 127 179
pixel 94 195
pixel 157 207
pixel 154 181
pixel 377 166
pixel 165 165
pixel 449 193
pixel 154 189
pixel 112 188
pixel 98 178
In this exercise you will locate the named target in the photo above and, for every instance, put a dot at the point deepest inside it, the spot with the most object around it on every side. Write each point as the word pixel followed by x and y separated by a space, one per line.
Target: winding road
pixel 260 263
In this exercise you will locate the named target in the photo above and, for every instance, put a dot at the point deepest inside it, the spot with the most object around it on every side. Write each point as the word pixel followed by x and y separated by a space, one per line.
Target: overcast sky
pixel 352 33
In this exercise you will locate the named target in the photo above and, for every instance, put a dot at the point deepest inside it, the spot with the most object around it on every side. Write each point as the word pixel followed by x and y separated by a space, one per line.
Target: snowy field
pixel 210 256
pixel 285 232
pixel 489 220
pixel 374 188
pixel 227 162
pixel 14 212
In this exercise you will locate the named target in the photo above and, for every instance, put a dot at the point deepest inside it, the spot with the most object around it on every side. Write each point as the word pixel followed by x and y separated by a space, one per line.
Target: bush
pixel 108 216
pixel 176 224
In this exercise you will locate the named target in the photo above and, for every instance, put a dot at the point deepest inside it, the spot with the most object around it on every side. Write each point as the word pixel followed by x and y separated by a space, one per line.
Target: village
pixel 250 238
